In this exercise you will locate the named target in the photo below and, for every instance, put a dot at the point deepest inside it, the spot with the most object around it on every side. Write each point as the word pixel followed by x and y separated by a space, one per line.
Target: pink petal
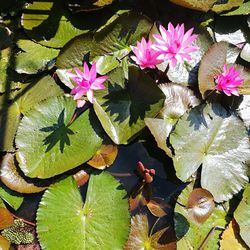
pixel 97 84
pixel 86 71
pixel 92 73
pixel 80 103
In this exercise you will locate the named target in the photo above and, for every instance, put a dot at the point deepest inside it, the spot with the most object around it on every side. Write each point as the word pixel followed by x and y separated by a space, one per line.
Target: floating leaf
pixel 243 9
pixel 59 146
pixel 201 5
pixel 6 218
pixel 51 24
pixel 4 243
pixel 230 239
pixel 178 100
pixel 212 64
pixel 23 101
pixel 218 8
pixel 89 225
pixel 187 71
pixel 139 238
pixel 245 52
pixel 189 234
pixel 89 5
pixel 34 57
pixel 10 197
pixel 242 216
pixel 104 157
pixel 123 106
pixel 210 136
pixel 200 205
pixel 12 179
pixel 244 110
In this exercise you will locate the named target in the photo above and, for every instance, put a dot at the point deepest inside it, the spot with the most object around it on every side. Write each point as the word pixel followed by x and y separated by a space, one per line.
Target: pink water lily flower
pixel 228 81
pixel 87 82
pixel 174 44
pixel 145 56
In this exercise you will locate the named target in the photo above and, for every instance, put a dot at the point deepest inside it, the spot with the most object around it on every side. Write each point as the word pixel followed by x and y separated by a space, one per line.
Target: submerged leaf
pixel 12 179
pixel 210 136
pixel 84 226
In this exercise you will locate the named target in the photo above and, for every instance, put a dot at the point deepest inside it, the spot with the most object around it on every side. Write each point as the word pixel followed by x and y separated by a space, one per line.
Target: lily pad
pixel 186 73
pixel 210 136
pixel 218 8
pixel 4 243
pixel 242 216
pixel 89 224
pixel 243 9
pixel 10 197
pixel 123 105
pixel 191 235
pixel 34 57
pixel 60 146
pixel 212 64
pixel 139 238
pixel 201 5
pixel 51 24
pixel 12 179
pixel 23 101
pixel 108 47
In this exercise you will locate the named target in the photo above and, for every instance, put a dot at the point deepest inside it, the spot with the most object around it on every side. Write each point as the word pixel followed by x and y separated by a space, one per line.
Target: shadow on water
pixel 59 133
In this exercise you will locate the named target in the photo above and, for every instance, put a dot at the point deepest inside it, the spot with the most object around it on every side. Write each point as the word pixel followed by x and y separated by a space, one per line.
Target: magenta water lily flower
pixel 228 81
pixel 174 44
pixel 145 56
pixel 87 82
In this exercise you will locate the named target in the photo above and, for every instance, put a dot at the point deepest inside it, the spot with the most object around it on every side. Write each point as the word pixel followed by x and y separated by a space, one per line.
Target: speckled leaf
pixel 242 215
pixel 243 9
pixel 218 8
pixel 84 226
pixel 189 234
pixel 123 106
pixel 210 136
pixel 59 147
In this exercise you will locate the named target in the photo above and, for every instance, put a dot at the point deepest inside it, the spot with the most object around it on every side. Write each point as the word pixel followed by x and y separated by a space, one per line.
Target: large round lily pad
pixel 102 222
pixel 123 105
pixel 49 146
pixel 210 136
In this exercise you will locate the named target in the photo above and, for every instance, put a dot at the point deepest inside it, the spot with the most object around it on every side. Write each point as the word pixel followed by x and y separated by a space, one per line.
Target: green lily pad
pixel 218 8
pixel 243 9
pixel 108 47
pixel 244 111
pixel 51 24
pixel 210 136
pixel 191 235
pixel 23 101
pixel 123 105
pixel 88 225
pixel 59 146
pixel 10 197
pixel 34 57
pixel 242 216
